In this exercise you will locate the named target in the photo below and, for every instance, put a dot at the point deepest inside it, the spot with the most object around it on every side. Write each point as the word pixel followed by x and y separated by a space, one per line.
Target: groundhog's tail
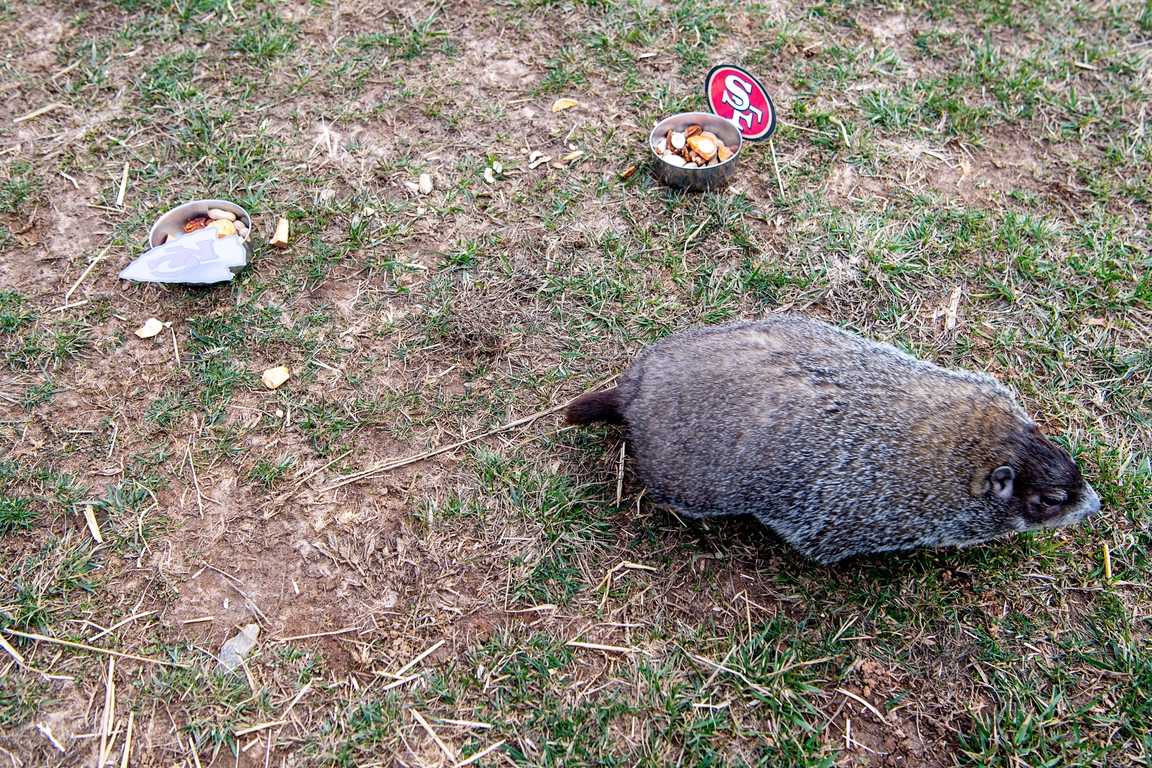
pixel 596 406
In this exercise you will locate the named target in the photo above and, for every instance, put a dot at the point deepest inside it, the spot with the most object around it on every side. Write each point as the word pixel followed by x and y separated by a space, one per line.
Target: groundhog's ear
pixel 1001 481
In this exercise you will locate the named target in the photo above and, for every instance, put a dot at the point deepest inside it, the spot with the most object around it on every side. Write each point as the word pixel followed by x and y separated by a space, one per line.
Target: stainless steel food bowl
pixel 172 223
pixel 696 179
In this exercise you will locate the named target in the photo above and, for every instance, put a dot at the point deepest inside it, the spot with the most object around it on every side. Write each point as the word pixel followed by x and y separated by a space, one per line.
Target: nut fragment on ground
pixel 562 104
pixel 274 377
pixel 151 327
pixel 424 187
pixel 280 238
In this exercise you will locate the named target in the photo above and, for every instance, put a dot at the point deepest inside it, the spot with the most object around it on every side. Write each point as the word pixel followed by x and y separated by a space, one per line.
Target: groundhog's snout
pixel 1090 505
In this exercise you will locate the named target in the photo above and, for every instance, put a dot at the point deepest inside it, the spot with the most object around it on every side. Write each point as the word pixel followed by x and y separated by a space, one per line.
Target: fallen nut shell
pixel 219 214
pixel 151 327
pixel 563 104
pixel 425 185
pixel 280 238
pixel 224 227
pixel 488 177
pixel 274 377
pixel 627 172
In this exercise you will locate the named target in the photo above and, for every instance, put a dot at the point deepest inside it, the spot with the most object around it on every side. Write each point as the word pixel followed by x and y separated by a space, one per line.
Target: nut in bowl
pixel 695 150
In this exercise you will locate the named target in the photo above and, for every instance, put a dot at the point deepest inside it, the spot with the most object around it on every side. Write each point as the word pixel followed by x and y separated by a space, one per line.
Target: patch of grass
pixel 267 472
pixel 265 38
pixel 19 186
pixel 13 314
pixel 16 513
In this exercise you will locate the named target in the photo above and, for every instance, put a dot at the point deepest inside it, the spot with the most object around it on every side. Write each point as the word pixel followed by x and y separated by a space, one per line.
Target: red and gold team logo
pixel 738 97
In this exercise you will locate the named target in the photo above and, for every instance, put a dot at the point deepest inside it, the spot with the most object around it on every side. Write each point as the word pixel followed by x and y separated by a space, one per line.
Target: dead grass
pixel 499 596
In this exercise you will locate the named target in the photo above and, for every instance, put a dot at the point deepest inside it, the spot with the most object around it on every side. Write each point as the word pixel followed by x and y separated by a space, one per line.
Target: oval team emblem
pixel 739 98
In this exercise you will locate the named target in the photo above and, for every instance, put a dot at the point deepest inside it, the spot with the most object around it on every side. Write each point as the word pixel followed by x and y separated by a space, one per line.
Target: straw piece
pixel 418 659
pixel 261 727
pixel 871 708
pixel 109 712
pixel 598 647
pixel 127 742
pixel 479 755
pixel 316 634
pixel 451 754
pixel 123 187
pixel 91 648
pixel 93 526
pixel 99 257
pixel 36 113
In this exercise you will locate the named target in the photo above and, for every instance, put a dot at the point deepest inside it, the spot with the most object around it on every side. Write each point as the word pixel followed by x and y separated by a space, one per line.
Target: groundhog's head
pixel 1036 483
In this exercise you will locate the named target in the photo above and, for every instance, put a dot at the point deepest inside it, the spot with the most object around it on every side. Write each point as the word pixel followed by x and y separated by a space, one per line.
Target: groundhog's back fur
pixel 841 445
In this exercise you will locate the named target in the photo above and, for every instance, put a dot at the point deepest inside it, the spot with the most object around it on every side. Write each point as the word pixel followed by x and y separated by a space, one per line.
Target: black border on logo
pixel 771 127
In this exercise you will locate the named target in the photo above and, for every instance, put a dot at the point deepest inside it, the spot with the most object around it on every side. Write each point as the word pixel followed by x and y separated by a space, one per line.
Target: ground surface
pixel 992 157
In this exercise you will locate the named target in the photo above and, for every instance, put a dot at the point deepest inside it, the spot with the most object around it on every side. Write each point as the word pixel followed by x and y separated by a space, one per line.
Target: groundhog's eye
pixel 1050 500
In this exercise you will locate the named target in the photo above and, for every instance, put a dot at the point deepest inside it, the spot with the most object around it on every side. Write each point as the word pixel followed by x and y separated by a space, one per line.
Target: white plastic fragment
pixel 236 648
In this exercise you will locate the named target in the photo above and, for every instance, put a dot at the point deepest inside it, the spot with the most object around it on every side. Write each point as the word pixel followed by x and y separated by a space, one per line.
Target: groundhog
pixel 841 445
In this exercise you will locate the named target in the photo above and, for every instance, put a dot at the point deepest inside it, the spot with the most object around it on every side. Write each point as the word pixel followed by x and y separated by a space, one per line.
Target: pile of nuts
pixel 693 147
pixel 225 223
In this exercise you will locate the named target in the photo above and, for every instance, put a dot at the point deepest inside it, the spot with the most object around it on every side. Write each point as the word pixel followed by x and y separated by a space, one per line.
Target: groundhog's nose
pixel 1090 504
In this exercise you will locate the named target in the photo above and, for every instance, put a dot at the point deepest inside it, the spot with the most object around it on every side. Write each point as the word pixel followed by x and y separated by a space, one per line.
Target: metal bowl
pixel 696 179
pixel 171 224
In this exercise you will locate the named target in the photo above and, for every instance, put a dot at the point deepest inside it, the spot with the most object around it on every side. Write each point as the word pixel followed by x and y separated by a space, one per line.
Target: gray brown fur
pixel 841 445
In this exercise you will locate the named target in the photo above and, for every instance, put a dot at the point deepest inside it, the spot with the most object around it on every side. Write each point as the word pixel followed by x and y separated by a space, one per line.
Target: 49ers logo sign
pixel 738 97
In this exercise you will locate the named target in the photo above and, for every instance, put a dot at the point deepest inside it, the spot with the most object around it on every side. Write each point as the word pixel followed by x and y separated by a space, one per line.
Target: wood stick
pixel 91 648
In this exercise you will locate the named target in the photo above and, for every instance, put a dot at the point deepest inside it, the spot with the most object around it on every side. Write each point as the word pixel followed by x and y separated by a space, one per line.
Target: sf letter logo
pixel 739 98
